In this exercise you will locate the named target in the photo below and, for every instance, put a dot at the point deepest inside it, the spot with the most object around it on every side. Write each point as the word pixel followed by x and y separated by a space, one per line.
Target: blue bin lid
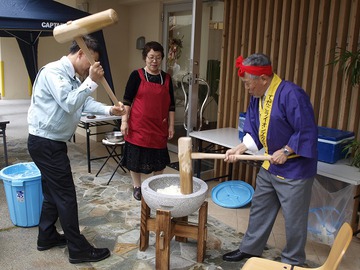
pixel 22 171
pixel 332 134
pixel 232 194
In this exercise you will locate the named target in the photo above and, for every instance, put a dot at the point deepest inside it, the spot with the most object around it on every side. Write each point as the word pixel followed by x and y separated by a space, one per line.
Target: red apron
pixel 148 122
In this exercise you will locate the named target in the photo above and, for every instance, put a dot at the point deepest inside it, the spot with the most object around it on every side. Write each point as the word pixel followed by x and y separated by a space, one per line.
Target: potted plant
pixel 350 63
pixel 353 149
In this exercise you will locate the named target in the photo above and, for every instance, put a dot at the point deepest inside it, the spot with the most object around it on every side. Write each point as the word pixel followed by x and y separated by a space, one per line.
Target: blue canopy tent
pixel 28 20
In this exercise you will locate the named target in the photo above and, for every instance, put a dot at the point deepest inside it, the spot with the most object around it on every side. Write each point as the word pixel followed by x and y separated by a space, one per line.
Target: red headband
pixel 253 70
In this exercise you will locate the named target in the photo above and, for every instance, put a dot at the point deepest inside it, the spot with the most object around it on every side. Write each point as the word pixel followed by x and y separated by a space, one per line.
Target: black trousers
pixel 59 193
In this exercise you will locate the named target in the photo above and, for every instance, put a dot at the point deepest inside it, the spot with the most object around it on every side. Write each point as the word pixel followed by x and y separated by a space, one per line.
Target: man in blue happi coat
pixel 280 119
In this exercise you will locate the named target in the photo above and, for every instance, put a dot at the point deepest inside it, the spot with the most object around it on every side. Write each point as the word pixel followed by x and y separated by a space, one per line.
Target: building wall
pixel 142 19
pixel 14 77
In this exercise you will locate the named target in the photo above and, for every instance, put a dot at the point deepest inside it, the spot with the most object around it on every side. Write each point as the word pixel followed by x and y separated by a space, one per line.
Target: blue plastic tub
pixel 22 183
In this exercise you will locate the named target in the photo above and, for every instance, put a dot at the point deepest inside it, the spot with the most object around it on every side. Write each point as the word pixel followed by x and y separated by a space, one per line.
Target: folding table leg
pixel 110 155
pixel 118 164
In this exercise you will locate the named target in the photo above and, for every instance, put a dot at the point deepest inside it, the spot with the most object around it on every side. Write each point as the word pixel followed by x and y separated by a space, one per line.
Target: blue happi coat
pixel 292 123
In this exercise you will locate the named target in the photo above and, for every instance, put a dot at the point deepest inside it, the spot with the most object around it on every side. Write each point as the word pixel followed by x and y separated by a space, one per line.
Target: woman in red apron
pixel 149 119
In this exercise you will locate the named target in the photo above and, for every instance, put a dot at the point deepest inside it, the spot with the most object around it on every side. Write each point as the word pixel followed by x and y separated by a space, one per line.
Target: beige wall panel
pixel 15 74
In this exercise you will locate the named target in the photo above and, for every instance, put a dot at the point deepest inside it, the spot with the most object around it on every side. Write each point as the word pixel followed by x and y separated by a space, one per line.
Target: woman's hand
pixel 124 128
pixel 124 121
pixel 171 132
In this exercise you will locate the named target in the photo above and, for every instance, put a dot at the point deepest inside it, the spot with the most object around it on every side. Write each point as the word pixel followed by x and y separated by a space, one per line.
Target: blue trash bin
pixel 22 184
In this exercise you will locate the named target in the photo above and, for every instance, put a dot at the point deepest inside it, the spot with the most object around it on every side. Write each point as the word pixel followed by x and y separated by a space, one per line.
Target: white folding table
pixel 229 138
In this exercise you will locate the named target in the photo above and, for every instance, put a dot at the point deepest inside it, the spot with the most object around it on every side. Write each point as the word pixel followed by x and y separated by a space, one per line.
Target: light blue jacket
pixel 58 100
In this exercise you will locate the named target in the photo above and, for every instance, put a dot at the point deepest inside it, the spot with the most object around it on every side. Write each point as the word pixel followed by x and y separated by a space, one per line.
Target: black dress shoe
pixel 92 255
pixel 137 193
pixel 236 256
pixel 44 245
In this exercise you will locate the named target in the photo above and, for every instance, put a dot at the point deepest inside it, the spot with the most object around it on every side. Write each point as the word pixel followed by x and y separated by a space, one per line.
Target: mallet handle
pixel 185 166
pixel 222 156
pixel 85 49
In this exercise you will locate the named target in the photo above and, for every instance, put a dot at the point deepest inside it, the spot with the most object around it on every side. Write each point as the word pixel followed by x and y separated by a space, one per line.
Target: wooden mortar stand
pixel 166 227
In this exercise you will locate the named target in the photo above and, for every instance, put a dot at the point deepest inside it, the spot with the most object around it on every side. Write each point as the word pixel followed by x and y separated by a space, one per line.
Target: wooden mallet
pixel 75 30
pixel 185 166
pixel 185 156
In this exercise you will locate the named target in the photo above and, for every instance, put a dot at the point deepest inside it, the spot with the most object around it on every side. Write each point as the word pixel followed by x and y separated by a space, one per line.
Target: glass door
pixel 190 43
pixel 177 44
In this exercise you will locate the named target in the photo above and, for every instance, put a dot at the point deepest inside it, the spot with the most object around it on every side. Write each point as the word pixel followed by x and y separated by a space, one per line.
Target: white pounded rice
pixel 171 190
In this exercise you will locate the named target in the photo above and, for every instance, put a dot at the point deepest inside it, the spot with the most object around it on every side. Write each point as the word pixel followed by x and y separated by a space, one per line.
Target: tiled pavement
pixel 110 217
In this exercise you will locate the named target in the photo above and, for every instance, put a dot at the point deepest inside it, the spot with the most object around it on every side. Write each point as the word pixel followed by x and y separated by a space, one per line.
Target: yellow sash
pixel 265 110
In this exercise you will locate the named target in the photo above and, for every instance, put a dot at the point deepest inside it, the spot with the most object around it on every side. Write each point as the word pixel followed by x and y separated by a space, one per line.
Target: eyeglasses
pixel 249 82
pixel 153 58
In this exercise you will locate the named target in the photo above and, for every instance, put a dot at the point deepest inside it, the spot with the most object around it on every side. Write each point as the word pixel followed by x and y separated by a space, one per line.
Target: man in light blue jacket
pixel 59 98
